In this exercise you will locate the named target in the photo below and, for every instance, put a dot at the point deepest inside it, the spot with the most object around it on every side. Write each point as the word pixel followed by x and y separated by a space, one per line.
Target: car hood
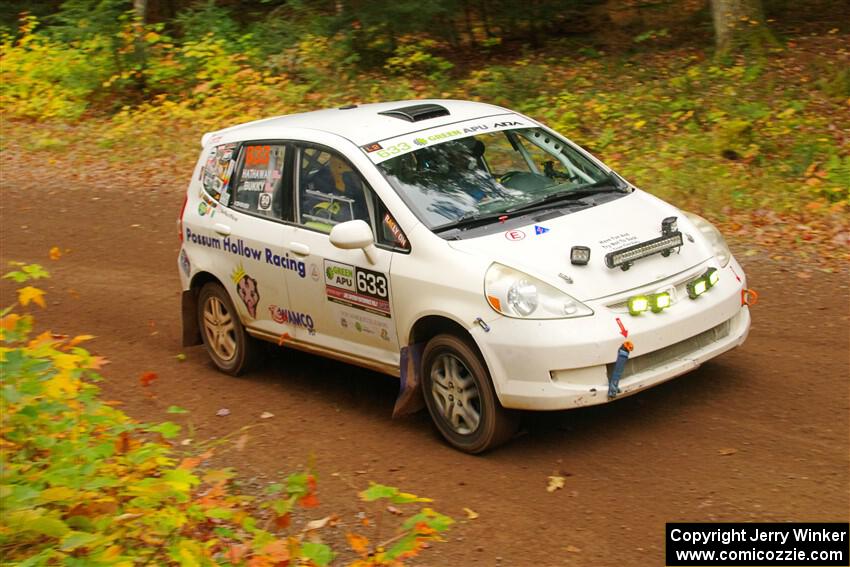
pixel 542 248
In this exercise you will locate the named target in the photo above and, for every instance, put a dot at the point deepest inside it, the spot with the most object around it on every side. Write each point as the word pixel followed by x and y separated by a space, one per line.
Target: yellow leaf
pixel 358 543
pixel 639 124
pixel 55 253
pixel 56 493
pixel 555 483
pixel 470 514
pixel 10 321
pixel 30 293
pixel 59 384
pixel 80 338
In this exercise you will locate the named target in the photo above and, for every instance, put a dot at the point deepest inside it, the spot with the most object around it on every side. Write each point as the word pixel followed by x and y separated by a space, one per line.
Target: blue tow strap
pixel 619 366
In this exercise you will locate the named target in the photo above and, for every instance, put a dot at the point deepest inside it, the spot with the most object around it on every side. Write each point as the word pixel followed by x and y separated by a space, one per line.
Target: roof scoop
pixel 417 112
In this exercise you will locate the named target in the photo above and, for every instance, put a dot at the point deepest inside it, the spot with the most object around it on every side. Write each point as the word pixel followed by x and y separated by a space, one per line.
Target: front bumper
pixel 565 363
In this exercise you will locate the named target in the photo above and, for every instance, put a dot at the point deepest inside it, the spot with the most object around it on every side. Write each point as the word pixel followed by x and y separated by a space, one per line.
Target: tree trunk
pixel 739 25
pixel 141 9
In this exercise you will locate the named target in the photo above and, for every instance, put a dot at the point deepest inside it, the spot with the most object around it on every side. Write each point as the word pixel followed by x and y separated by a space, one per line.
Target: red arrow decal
pixel 623 330
pixel 736 273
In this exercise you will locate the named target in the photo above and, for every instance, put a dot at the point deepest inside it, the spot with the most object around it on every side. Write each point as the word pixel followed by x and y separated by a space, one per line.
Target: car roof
pixel 365 123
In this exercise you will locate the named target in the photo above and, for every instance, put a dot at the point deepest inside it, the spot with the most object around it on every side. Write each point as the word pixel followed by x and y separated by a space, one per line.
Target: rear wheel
pixel 460 396
pixel 231 349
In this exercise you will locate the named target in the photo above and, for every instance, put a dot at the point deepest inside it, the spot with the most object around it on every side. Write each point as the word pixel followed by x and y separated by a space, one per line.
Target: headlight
pixel 516 294
pixel 708 230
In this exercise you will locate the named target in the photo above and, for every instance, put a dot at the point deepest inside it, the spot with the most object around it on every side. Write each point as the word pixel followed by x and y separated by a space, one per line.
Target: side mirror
pixel 354 234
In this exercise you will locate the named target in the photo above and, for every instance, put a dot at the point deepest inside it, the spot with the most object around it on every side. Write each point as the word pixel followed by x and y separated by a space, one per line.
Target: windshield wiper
pixel 605 186
pixel 470 219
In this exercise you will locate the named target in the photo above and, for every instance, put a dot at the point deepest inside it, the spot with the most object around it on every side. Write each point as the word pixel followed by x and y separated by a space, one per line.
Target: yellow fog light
pixel 660 301
pixel 638 304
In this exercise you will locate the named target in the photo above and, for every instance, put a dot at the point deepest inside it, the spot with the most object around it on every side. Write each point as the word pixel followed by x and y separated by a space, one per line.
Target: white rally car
pixel 487 261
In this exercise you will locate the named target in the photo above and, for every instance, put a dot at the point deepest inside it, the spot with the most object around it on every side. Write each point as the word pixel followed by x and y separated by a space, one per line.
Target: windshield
pixel 491 173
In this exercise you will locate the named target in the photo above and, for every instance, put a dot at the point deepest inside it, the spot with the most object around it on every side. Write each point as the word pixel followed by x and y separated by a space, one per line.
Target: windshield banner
pixel 406 143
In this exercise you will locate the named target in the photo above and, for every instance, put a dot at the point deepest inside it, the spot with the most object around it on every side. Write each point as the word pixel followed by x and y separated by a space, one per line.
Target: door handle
pixel 299 249
pixel 222 229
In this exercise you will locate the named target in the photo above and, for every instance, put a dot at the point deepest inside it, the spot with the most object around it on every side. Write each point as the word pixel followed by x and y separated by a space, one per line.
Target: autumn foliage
pixel 84 484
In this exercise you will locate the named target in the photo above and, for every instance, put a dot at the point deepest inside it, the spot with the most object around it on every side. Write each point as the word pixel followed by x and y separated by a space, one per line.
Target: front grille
pixel 651 360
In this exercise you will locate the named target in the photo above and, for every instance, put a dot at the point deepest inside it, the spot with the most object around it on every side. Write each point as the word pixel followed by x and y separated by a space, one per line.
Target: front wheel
pixel 460 396
pixel 231 349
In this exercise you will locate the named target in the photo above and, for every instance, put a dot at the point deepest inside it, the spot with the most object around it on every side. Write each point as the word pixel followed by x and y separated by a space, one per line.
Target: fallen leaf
pixel 358 543
pixel 147 378
pixel 393 510
pixel 470 514
pixel 555 483
pixel 321 523
pixel 241 442
pixel 181 357
pixel 727 451
pixel 55 253
pixel 572 549
pixel 266 415
pixel 223 412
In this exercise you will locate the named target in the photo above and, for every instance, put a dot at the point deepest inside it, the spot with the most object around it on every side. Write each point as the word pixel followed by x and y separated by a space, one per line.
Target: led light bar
pixel 625 257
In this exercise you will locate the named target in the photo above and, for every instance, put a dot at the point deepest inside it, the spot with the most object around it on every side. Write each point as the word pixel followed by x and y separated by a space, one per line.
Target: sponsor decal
pixel 540 229
pixel 295 318
pixel 238 247
pixel 314 272
pixel 364 324
pixel 246 287
pixel 356 287
pixel 514 235
pixel 264 201
pixel 203 208
pixel 618 241
pixel 405 144
pixel 398 235
pixel 184 263
pixel 339 275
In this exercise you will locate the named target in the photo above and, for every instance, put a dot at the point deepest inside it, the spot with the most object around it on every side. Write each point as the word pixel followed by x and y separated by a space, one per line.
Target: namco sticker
pixel 514 235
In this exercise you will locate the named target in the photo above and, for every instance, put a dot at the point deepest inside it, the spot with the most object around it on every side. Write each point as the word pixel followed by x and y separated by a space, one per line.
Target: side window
pixel 218 169
pixel 259 189
pixel 389 232
pixel 330 191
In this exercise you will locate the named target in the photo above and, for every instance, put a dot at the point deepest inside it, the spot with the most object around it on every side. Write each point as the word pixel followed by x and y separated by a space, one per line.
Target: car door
pixel 251 228
pixel 343 303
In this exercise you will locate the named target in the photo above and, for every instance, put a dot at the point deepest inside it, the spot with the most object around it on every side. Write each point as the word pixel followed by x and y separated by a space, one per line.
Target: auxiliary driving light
pixel 579 255
pixel 660 301
pixel 638 304
pixel 697 287
pixel 703 283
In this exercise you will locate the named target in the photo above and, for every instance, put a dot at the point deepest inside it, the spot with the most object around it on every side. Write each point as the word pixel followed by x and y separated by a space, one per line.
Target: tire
pixel 231 349
pixel 460 396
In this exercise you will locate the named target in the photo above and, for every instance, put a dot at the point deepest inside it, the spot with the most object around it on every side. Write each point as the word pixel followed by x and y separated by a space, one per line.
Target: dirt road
pixel 760 434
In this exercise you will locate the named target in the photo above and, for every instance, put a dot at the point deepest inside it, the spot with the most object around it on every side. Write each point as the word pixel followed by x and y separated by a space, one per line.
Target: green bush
pixel 84 484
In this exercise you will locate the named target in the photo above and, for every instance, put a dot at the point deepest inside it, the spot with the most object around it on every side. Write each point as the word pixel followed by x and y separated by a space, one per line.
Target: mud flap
pixel 189 313
pixel 410 398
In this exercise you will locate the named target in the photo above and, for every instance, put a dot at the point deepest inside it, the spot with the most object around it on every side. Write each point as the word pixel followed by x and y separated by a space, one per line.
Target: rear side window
pixel 330 190
pixel 259 189
pixel 218 169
